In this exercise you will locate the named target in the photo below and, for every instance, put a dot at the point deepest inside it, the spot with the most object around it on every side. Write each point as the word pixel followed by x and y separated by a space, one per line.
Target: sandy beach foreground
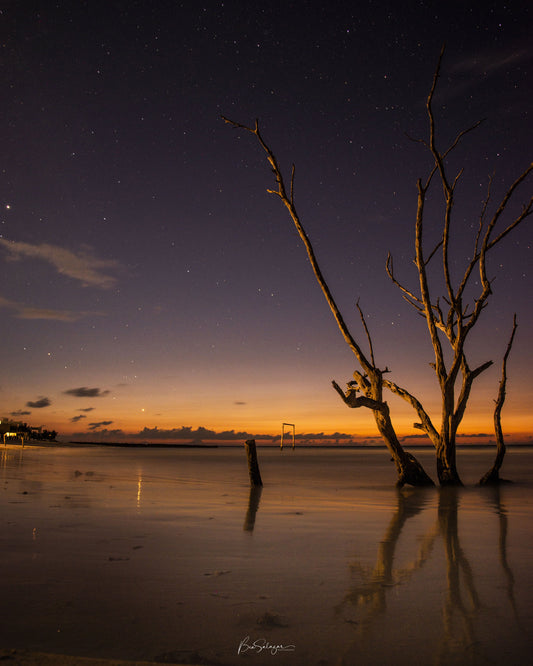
pixel 115 556
pixel 27 658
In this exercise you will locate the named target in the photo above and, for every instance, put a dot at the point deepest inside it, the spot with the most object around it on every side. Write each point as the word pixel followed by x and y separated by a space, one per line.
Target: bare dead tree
pixel 368 383
pixel 451 324
pixel 454 321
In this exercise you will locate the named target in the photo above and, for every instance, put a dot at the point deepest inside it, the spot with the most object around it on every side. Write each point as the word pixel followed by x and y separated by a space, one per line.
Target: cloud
pixel 86 409
pixel 95 426
pixel 483 66
pixel 85 392
pixel 23 311
pixel 187 433
pixel 239 402
pixel 489 62
pixel 19 412
pixel 479 435
pixel 75 419
pixel 39 404
pixel 82 266
pixel 200 434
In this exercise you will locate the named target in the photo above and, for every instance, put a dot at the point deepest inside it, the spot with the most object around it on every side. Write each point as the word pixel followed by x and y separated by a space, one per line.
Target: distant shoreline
pixel 143 445
pixel 288 447
pixel 149 445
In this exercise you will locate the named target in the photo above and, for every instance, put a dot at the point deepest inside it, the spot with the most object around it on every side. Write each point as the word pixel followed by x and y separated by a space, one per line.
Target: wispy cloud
pixel 23 311
pixel 39 404
pixel 100 424
pixel 491 62
pixel 83 266
pixel 86 392
pixel 75 419
pixel 480 67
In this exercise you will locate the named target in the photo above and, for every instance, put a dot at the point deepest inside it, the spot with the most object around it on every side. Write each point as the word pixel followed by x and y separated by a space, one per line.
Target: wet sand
pixel 168 557
pixel 28 658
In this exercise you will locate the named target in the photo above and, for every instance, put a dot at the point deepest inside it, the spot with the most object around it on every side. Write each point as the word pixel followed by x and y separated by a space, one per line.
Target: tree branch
pixel 289 203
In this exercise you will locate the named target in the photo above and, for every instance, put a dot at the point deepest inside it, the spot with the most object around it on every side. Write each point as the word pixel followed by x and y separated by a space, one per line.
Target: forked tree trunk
pixel 410 471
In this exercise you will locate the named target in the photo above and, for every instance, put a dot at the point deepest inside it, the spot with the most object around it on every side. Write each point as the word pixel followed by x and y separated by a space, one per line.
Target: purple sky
pixel 148 279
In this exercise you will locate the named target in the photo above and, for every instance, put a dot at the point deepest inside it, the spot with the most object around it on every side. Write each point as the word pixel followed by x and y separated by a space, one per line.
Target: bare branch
pixel 289 203
pixel 369 339
pixel 293 172
pixel 433 252
pixel 354 401
pixel 407 294
pixel 426 424
pixel 468 379
pixel 526 210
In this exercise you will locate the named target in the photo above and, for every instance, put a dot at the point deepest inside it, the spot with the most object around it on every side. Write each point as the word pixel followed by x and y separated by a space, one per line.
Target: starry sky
pixel 150 286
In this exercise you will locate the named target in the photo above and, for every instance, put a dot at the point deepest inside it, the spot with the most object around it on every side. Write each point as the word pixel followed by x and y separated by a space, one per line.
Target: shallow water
pixel 167 555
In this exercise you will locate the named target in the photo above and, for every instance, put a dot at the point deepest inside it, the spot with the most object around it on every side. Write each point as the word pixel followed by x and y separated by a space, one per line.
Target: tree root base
pixel 492 478
pixel 413 474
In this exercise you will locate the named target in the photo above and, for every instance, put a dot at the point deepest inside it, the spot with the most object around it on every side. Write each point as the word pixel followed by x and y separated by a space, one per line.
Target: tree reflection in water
pixel 462 601
pixel 366 602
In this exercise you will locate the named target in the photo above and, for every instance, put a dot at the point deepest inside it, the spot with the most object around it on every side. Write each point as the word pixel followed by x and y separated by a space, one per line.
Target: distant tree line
pixel 30 432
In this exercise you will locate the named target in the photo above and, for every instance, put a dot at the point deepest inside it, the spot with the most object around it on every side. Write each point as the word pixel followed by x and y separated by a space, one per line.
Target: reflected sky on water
pixel 169 555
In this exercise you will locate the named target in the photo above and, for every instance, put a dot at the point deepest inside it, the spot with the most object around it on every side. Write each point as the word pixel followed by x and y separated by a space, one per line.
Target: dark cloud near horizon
pixel 201 434
pixel 463 434
pixel 85 392
pixel 39 404
pixel 19 412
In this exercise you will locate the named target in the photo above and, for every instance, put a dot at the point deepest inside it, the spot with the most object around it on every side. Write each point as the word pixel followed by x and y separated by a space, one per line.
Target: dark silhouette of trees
pixel 450 316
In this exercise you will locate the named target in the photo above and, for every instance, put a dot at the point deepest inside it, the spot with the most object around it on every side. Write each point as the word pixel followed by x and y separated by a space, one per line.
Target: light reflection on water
pixel 142 554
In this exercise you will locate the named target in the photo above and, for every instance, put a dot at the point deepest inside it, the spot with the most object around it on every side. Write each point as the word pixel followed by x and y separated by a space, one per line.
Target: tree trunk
pixel 493 475
pixel 410 471
pixel 446 463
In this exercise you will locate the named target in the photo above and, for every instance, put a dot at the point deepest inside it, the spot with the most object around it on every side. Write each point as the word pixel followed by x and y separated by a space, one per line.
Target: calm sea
pixel 168 555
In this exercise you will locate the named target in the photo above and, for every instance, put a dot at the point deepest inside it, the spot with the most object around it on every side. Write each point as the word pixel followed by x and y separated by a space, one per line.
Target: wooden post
pixel 253 466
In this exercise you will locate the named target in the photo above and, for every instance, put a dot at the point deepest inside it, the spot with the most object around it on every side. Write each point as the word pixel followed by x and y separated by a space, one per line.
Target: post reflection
pixel 365 604
pixel 253 505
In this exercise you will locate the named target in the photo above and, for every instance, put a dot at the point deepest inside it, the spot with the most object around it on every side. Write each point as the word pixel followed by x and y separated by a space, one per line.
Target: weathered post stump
pixel 253 466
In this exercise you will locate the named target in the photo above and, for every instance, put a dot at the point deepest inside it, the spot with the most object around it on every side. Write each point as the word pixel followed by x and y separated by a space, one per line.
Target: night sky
pixel 149 281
